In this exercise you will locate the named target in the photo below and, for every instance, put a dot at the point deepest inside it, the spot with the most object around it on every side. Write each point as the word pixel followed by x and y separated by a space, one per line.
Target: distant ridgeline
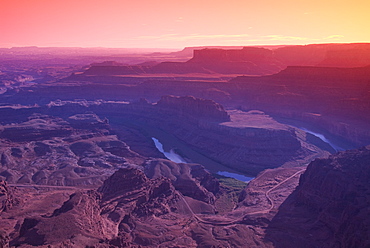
pixel 249 60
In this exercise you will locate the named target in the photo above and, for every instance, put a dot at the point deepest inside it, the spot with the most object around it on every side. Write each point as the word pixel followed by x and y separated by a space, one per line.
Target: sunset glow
pixel 180 23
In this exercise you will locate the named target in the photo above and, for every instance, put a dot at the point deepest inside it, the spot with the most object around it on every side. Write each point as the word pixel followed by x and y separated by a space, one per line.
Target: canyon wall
pixel 248 142
pixel 329 208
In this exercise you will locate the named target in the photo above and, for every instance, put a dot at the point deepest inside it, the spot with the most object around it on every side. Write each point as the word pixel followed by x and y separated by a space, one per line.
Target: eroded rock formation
pixel 128 210
pixel 50 150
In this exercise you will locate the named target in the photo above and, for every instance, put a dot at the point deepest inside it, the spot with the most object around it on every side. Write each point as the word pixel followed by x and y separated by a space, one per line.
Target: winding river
pixel 323 138
pixel 173 156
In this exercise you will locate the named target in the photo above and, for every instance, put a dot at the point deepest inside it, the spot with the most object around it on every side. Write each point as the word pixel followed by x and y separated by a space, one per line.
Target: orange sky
pixel 181 23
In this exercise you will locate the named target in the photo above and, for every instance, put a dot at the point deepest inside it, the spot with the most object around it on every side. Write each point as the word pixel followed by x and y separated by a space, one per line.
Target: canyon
pixel 80 132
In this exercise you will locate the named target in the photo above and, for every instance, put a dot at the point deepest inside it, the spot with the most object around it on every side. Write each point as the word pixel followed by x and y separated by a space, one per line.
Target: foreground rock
pixel 191 179
pixel 131 209
pixel 330 206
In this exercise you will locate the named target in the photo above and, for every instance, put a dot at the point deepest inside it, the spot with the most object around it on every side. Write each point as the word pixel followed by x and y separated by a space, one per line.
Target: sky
pixel 181 23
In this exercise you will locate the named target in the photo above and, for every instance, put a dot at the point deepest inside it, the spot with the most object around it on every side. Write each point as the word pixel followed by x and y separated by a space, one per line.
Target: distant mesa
pixel 327 55
pixel 235 55
pixel 356 57
pixel 247 60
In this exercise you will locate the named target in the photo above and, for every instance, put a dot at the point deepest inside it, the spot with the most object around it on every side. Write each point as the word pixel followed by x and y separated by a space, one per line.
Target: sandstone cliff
pixel 329 208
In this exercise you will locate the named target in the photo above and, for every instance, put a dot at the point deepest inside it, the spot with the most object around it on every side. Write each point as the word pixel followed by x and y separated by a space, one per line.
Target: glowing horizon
pixel 177 23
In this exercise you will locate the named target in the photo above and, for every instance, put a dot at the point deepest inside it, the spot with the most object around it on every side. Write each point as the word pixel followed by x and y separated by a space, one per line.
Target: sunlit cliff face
pixel 176 24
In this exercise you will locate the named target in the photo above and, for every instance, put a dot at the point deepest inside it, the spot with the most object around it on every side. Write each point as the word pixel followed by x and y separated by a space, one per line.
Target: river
pixel 173 156
pixel 323 138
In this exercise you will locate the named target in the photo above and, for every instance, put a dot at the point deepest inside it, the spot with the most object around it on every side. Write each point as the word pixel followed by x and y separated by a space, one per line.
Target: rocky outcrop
pixel 77 222
pixel 142 196
pixel 329 208
pixel 191 180
pixel 123 181
pixel 195 107
pixel 6 197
